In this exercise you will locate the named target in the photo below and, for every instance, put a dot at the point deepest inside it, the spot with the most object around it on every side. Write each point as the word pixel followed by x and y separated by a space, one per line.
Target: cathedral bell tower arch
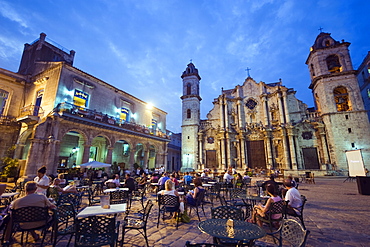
pixel 337 97
pixel 190 117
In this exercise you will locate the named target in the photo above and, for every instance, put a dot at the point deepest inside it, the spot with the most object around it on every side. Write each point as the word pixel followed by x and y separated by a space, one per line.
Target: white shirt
pixel 228 177
pixel 43 181
pixel 294 198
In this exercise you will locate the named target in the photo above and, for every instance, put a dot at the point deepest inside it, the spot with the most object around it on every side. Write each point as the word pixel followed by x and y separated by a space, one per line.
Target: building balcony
pixel 78 113
pixel 30 114
pixel 9 121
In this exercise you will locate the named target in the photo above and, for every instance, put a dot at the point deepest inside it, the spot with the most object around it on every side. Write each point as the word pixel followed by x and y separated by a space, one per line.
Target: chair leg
pixel 146 237
pixel 196 208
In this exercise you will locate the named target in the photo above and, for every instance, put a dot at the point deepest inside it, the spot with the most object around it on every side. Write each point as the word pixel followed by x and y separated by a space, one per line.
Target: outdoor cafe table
pixel 241 231
pixel 98 210
pixel 115 189
pixel 7 198
pixel 253 199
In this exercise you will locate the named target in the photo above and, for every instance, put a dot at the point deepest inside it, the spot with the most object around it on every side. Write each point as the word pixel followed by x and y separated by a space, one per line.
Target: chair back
pixel 28 215
pixel 147 208
pixel 169 202
pixel 111 185
pixel 72 198
pixel 200 197
pixel 52 192
pixel 119 196
pixel 65 216
pixel 227 212
pixel 293 232
pixel 236 192
pixel 277 208
pixel 96 231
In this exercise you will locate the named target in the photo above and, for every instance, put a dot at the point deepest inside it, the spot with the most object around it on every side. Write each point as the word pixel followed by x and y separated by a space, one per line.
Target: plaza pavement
pixel 335 213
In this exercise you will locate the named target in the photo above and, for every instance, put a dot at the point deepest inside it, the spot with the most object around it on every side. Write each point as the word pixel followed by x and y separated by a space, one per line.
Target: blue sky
pixel 142 47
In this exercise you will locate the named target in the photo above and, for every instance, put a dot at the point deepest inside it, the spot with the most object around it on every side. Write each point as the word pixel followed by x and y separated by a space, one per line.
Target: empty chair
pixel 119 196
pixel 138 223
pixel 227 212
pixel 291 232
pixel 96 231
pixel 73 198
pixel 64 222
pixel 235 195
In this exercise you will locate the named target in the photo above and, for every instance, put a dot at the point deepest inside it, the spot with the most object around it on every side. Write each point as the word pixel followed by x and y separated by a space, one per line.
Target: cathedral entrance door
pixel 211 159
pixel 256 154
pixel 311 160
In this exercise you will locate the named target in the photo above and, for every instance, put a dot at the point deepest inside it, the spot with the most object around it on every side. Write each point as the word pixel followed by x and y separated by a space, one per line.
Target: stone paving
pixel 335 213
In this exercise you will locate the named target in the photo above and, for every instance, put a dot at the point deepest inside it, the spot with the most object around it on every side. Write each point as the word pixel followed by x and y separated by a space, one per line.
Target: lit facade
pixel 68 117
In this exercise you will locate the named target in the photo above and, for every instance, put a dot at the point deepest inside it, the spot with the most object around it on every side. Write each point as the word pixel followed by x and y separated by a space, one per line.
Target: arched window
pixel 3 97
pixel 341 99
pixel 333 63
pixel 188 89
pixel 188 113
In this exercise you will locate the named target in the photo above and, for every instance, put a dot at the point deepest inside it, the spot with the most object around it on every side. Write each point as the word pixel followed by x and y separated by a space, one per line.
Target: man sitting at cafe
pixel 293 196
pixel 31 199
pixel 129 183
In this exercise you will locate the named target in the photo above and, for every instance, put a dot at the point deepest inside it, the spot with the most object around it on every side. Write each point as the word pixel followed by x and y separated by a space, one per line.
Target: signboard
pixel 355 163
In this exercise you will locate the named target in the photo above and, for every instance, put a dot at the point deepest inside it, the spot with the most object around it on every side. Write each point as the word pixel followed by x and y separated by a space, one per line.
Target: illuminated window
pixel 3 97
pixel 333 63
pixel 188 113
pixel 154 125
pixel 80 98
pixel 341 99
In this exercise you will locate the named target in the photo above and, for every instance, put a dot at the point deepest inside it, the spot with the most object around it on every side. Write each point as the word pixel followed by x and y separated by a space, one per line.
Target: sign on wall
pixel 355 163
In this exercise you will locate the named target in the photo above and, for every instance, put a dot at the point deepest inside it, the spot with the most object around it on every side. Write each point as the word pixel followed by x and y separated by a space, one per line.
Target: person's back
pixel 292 195
pixel 188 179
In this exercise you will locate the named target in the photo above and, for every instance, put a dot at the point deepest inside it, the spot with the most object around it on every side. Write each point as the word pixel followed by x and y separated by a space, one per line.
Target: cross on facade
pixel 248 69
pixel 320 29
pixel 191 60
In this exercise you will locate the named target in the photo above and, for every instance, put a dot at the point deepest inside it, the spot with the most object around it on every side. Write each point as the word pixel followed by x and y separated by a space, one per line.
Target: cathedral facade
pixel 264 125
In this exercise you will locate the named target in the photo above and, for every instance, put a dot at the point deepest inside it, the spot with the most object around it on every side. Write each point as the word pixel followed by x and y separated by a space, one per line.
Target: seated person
pixel 129 183
pixel 163 180
pixel 192 196
pixel 68 189
pixel 31 199
pixel 174 180
pixel 187 178
pixel 272 182
pixel 261 210
pixel 143 180
pixel 293 196
pixel 63 181
pixel 114 180
pixel 170 190
pixel 229 178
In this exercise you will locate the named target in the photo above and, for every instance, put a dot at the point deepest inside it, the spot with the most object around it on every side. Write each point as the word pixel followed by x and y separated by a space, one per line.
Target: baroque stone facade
pixel 259 124
pixel 67 117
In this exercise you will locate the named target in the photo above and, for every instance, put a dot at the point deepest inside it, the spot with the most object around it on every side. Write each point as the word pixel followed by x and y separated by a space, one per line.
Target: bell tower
pixel 338 99
pixel 190 116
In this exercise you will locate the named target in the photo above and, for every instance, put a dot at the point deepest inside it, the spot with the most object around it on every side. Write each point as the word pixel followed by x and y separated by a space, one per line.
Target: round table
pixel 242 230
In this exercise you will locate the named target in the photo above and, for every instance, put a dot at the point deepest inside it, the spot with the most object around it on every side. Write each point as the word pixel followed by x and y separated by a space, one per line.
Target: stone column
pixel 242 148
pixel 287 117
pixel 146 155
pixel 281 108
pixel 292 149
pixel 86 153
pixel 266 111
pixel 18 150
pixel 228 148
pixel 268 147
pixel 298 157
pixel 223 160
pixel 33 158
pixel 200 145
pixel 108 159
pixel 286 150
pixel 130 166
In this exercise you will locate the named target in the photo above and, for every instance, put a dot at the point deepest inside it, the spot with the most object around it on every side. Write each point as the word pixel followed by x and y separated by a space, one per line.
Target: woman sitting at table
pixel 169 189
pixel 143 181
pixel 261 210
pixel 192 196
pixel 68 189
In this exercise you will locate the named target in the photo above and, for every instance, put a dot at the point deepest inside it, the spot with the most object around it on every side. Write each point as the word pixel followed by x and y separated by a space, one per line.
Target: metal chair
pixel 52 192
pixel 168 203
pixel 227 212
pixel 198 203
pixel 214 192
pixel 298 212
pixel 119 197
pixel 237 202
pixel 290 232
pixel 139 195
pixel 139 224
pixel 64 222
pixel 73 198
pixel 96 231
pixel 275 208
pixel 28 219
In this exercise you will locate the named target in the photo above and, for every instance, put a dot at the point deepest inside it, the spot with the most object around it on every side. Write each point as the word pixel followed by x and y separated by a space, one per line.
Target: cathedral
pixel 264 125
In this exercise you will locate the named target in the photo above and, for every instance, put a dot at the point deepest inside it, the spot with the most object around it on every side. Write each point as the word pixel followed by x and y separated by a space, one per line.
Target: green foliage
pixel 9 167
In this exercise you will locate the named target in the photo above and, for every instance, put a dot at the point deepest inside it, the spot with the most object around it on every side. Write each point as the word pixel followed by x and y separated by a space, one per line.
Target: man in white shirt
pixel 43 181
pixel 293 196
pixel 228 177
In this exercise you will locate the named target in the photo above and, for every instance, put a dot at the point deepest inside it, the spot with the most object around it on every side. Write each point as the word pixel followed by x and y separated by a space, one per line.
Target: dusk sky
pixel 142 47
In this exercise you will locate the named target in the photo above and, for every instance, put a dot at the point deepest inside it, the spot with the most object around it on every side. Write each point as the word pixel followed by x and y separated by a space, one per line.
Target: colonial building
pixel 174 152
pixel 260 124
pixel 363 77
pixel 60 116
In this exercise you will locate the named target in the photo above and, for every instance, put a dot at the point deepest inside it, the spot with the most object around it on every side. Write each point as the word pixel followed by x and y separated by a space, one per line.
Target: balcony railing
pixel 105 118
pixel 31 110
pixel 6 120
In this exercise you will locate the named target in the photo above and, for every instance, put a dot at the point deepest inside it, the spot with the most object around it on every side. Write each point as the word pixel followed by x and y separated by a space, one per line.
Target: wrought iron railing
pixel 101 117
pixel 31 110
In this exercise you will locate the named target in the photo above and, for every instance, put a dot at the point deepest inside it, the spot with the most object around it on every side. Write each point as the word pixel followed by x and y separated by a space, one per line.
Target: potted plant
pixel 10 168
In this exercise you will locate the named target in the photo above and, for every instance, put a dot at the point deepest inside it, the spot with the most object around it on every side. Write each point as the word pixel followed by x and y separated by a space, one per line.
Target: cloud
pixel 8 12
